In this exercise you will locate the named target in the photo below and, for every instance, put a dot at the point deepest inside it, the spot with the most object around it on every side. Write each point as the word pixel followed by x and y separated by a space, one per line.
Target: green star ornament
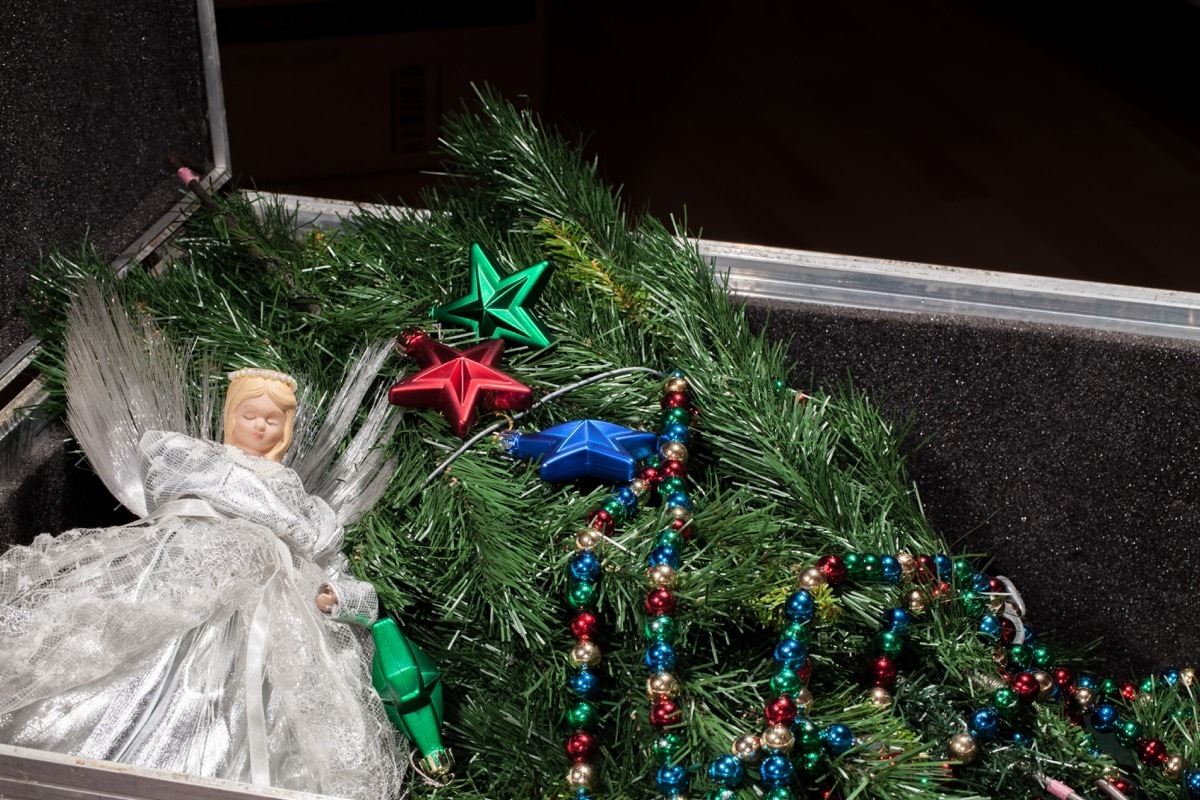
pixel 497 307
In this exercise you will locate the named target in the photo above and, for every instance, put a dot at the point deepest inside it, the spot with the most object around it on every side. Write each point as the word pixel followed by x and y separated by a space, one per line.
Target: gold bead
pixel 915 600
pixel 811 578
pixel 586 539
pixel 748 748
pixel 662 685
pixel 1174 767
pixel 779 738
pixel 676 384
pixel 680 513
pixel 1084 698
pixel 585 654
pixel 803 699
pixel 638 487
pixel 908 566
pixel 880 696
pixel 995 603
pixel 581 776
pixel 964 748
pixel 999 655
pixel 1187 676
pixel 661 574
pixel 1045 685
pixel 674 451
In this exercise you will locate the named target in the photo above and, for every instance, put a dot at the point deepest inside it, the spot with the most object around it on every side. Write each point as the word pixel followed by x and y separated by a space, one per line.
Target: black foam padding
pixel 1067 455
pixel 94 96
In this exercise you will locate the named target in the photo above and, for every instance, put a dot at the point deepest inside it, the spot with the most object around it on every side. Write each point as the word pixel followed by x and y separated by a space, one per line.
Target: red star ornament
pixel 456 382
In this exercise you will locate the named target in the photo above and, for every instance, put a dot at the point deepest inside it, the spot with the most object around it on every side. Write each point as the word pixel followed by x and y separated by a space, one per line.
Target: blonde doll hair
pixel 247 384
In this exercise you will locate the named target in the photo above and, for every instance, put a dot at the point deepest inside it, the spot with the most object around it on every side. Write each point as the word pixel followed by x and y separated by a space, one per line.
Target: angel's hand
pixel 326 598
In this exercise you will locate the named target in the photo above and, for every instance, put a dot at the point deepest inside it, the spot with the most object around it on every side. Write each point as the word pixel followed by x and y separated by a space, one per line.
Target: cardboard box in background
pixel 345 99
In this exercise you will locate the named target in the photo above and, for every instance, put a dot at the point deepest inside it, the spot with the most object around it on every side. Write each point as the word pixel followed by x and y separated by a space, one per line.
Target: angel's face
pixel 257 425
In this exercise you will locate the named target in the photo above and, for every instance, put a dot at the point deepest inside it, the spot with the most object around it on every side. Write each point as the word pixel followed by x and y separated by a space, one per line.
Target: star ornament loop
pixel 499 306
pixel 586 448
pixel 457 383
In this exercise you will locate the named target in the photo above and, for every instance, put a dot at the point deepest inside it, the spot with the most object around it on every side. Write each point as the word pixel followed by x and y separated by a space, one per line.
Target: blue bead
pixel 671 779
pixel 727 771
pixel 1031 637
pixel 837 739
pixel 776 771
pixel 897 620
pixel 944 566
pixel 981 583
pixel 1171 677
pixel 790 653
pixel 665 554
pixel 989 627
pixel 627 498
pixel 800 606
pixel 1191 784
pixel 680 499
pixel 1021 738
pixel 660 657
pixel 583 793
pixel 675 432
pixel 984 724
pixel 891 569
pixel 1085 682
pixel 585 566
pixel 1105 717
pixel 584 682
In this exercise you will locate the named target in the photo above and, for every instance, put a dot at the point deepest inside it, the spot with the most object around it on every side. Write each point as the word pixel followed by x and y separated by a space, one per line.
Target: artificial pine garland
pixel 475 563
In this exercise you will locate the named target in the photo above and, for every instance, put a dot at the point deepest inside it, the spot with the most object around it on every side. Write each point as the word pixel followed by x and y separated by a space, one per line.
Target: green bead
pixel 796 630
pixel 962 570
pixel 666 747
pixel 1042 656
pixel 853 564
pixel 786 681
pixel 582 715
pixel 721 794
pixel 669 537
pixel 1019 654
pixel 1148 684
pixel 1128 732
pixel 1006 702
pixel 1110 688
pixel 670 486
pixel 807 735
pixel 779 794
pixel 652 460
pixel 582 594
pixel 661 629
pixel 972 602
pixel 808 762
pixel 889 643
pixel 615 507
pixel 676 416
pixel 869 565
pixel 780 386
pixel 1182 713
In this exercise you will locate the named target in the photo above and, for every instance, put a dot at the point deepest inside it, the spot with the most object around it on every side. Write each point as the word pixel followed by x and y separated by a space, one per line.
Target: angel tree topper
pixel 455 382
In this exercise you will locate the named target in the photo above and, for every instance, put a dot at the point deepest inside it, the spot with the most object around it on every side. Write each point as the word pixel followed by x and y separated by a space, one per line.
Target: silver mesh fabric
pixel 191 640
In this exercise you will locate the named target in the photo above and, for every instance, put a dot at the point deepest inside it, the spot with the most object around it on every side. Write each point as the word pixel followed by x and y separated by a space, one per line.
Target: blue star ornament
pixel 586 448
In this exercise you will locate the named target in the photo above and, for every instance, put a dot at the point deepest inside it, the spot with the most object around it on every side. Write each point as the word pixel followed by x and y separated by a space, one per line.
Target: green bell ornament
pixel 411 688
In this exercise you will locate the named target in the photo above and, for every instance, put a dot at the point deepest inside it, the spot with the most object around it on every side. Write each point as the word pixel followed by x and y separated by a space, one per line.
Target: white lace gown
pixel 191 640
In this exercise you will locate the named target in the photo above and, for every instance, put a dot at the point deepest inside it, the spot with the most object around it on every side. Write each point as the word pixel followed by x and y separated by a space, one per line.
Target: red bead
pixel 1026 686
pixel 805 672
pixel 883 672
pixel 926 569
pixel 675 400
pixel 684 527
pixel 650 476
pixel 995 586
pixel 1121 785
pixel 673 469
pixel 1063 677
pixel 665 713
pixel 601 520
pixel 833 568
pixel 1153 753
pixel 1129 691
pixel 583 626
pixel 1008 631
pixel 660 601
pixel 581 746
pixel 943 591
pixel 780 710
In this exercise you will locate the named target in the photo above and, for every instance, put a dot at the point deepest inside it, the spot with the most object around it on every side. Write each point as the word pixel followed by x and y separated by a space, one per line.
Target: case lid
pixel 93 96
